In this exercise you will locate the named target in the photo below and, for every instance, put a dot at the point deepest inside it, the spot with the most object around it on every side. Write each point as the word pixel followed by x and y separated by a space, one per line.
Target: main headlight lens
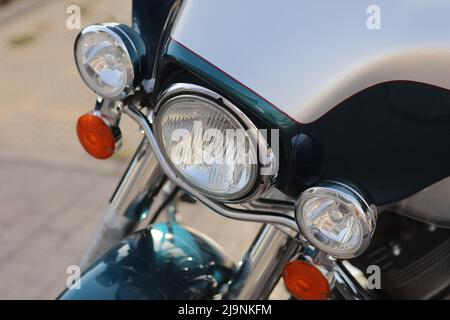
pixel 336 219
pixel 107 58
pixel 207 146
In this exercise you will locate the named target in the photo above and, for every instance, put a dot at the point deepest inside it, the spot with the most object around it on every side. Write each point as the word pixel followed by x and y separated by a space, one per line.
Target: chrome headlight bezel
pixel 258 184
pixel 364 213
pixel 133 52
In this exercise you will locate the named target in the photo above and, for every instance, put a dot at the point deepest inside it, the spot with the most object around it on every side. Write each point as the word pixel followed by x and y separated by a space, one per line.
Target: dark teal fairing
pixel 149 18
pixel 165 261
pixel 388 139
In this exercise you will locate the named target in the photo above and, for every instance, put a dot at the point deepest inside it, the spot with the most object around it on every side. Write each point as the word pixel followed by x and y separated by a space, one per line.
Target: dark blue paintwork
pixel 165 261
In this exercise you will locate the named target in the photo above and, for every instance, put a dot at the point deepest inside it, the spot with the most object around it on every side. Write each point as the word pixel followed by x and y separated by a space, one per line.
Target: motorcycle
pixel 335 127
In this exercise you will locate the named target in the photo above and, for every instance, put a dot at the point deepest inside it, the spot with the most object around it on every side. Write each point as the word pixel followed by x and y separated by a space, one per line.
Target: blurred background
pixel 52 194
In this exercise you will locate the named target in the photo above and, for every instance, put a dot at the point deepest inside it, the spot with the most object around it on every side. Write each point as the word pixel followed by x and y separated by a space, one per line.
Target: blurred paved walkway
pixel 52 195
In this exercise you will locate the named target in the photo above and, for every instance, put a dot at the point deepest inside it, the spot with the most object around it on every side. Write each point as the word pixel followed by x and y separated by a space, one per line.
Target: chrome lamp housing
pixel 336 219
pixel 205 161
pixel 110 59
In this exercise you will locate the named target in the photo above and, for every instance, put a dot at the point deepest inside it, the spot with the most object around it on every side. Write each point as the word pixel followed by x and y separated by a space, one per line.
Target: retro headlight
pixel 109 58
pixel 336 219
pixel 208 146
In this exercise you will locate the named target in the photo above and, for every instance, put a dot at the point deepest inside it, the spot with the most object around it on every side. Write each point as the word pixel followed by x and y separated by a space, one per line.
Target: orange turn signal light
pixel 99 138
pixel 305 282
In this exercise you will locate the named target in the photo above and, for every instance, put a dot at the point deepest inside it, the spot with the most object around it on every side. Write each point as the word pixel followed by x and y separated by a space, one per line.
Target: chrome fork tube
pixel 261 268
pixel 140 183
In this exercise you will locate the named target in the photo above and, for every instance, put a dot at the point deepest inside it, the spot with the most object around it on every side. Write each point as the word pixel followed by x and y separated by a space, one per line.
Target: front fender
pixel 164 261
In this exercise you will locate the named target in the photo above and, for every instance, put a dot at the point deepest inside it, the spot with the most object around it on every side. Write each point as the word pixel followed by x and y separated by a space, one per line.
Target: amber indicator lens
pixel 305 282
pixel 97 137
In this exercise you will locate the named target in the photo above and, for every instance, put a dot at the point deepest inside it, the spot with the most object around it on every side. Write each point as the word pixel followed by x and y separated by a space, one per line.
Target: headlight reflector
pixel 208 146
pixel 108 57
pixel 336 219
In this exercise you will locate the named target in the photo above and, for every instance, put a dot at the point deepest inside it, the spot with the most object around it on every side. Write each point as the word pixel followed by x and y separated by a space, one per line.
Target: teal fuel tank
pixel 164 261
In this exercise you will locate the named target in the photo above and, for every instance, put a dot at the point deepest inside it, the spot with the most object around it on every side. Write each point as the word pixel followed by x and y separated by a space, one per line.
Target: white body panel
pixel 306 57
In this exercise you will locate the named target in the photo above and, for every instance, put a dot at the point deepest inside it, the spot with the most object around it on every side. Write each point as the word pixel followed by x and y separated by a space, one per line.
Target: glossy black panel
pixel 392 139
